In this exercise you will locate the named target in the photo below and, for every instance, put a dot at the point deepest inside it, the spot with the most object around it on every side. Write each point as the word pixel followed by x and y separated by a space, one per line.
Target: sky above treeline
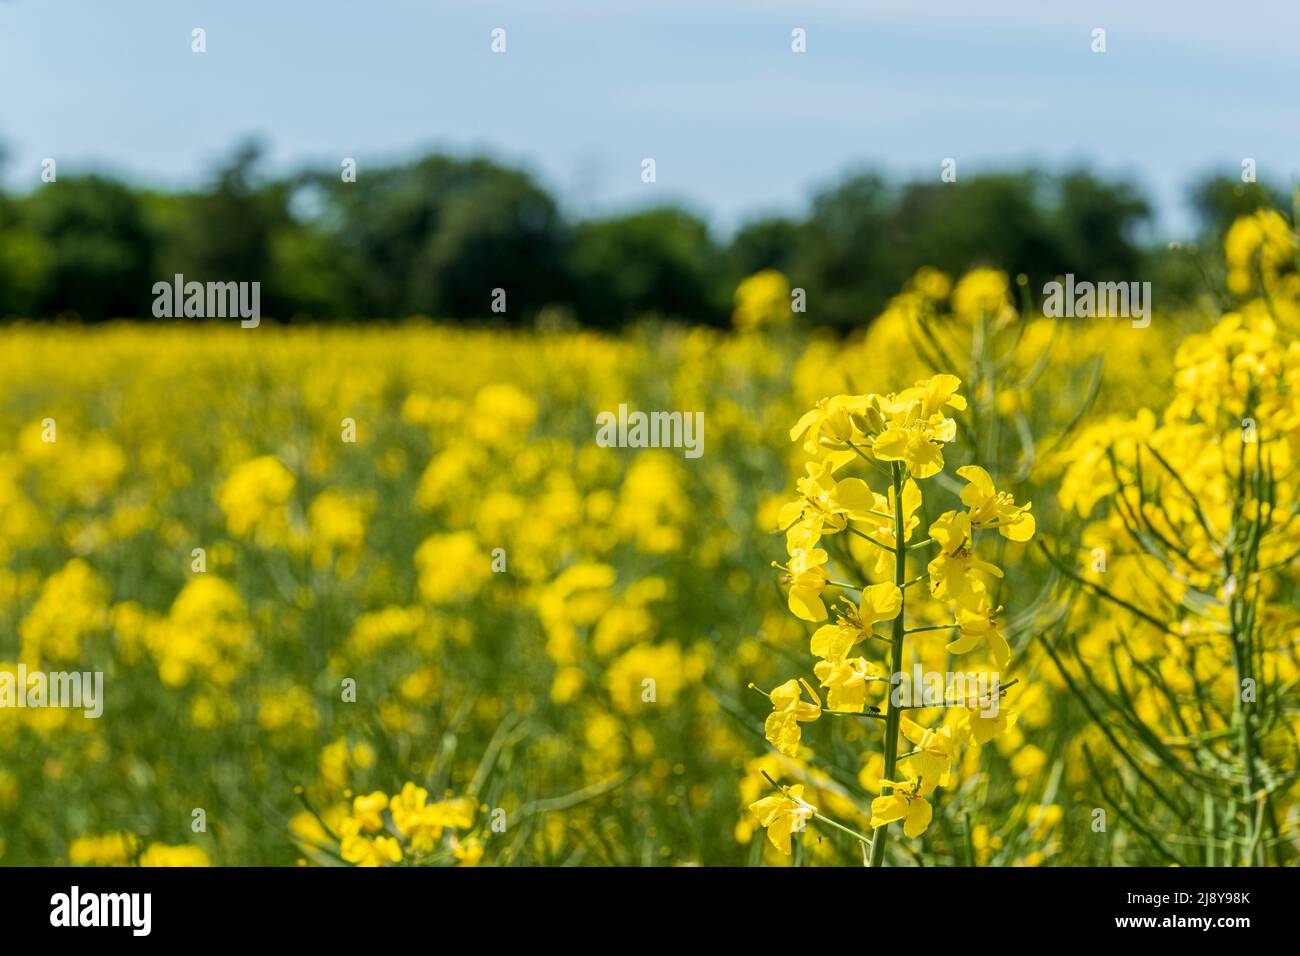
pixel 738 124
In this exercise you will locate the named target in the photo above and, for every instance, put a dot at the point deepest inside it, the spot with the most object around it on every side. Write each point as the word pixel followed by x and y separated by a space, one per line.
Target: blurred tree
pixel 25 264
pixel 226 233
pixel 100 248
pixel 438 236
pixel 305 276
pixel 996 220
pixel 1218 200
pixel 840 258
pixel 659 262
pixel 763 244
pixel 865 238
pixel 1097 225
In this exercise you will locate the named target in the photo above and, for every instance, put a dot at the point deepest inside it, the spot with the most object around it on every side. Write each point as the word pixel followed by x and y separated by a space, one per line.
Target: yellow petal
pixel 850 697
pixel 890 445
pixel 769 808
pixel 912 730
pixel 784 696
pixel 924 459
pixel 1000 648
pixel 806 604
pixel 803 423
pixel 805 534
pixel 855 496
pixel 880 602
pixel 779 832
pixel 964 642
pixel 918 818
pixel 980 488
pixel 911 502
pixel 887 809
pixel 790 512
pixel 1022 530
pixel 833 642
pixel 782 731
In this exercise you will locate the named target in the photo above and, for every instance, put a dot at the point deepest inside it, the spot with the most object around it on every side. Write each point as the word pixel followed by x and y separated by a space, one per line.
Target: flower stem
pixel 865 841
pixel 930 627
pixel 881 836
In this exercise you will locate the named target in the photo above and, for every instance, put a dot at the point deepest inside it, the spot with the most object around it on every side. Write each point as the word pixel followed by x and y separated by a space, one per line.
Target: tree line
pixel 438 235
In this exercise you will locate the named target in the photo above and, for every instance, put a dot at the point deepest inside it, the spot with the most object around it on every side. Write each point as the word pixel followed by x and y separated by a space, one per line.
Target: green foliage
pixel 660 262
pixel 98 246
pixel 865 237
pixel 439 235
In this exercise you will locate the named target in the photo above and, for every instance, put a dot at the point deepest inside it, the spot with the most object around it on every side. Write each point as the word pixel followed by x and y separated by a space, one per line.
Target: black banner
pixel 977 906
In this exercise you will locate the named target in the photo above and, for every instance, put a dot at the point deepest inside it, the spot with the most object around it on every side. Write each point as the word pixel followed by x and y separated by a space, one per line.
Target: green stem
pixel 1238 540
pixel 883 547
pixel 930 627
pixel 881 836
pixel 865 841
pixel 866 715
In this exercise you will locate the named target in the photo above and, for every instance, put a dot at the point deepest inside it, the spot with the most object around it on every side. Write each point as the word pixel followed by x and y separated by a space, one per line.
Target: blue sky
pixel 737 123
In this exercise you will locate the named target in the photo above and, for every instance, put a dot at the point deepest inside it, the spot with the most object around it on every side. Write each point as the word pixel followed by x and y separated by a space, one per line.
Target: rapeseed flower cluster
pixel 903 437
pixel 1183 619
pixel 376 829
